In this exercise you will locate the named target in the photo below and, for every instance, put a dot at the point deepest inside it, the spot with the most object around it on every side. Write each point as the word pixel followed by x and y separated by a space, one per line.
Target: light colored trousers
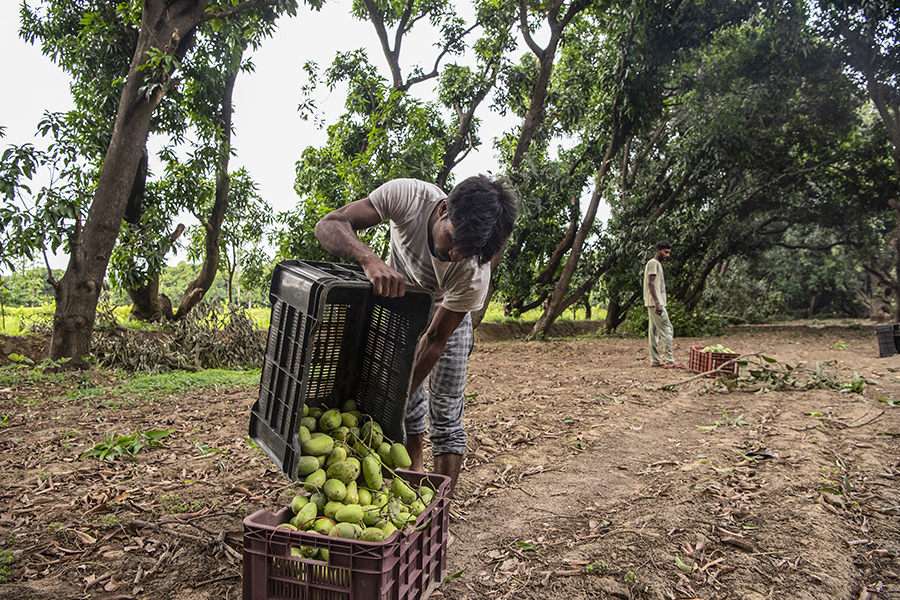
pixel 660 327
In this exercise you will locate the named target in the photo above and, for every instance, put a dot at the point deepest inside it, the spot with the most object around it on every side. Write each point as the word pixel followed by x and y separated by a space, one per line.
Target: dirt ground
pixel 590 475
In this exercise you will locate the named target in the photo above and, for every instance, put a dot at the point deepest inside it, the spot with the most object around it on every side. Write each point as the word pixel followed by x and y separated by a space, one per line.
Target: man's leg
pixel 414 444
pixel 666 334
pixel 446 391
pixel 449 465
pixel 415 425
pixel 653 335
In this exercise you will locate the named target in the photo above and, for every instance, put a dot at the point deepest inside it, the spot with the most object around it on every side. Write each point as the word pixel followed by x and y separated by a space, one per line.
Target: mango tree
pixel 163 34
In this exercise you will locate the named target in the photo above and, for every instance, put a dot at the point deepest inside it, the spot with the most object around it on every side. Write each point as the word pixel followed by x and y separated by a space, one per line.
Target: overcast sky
pixel 269 135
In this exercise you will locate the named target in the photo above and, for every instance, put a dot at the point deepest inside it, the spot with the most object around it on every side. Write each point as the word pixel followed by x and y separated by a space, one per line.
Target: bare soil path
pixel 590 475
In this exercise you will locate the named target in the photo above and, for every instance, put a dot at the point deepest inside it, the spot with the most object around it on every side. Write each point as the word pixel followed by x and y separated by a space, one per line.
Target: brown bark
pixel 79 289
pixel 535 113
pixel 213 226
pixel 616 312
pixel 557 300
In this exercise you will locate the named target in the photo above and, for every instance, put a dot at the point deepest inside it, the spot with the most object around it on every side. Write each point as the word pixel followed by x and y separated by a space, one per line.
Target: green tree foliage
pixel 866 34
pixel 242 235
pixel 386 132
pixel 28 286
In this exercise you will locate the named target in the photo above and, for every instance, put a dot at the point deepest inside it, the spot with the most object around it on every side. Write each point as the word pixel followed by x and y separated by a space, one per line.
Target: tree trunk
pixel 616 313
pixel 558 297
pixel 612 316
pixel 198 288
pixel 167 26
pixel 78 292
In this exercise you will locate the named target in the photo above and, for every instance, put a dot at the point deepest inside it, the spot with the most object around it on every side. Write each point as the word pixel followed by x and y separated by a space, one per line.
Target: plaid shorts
pixel 444 402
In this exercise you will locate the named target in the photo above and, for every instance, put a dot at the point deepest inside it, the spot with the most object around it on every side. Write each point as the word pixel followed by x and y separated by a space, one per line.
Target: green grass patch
pixel 27 320
pixel 494 314
pixel 6 559
pixel 180 381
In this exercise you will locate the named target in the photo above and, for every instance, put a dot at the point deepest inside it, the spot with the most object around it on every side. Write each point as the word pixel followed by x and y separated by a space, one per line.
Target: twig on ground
pixel 704 374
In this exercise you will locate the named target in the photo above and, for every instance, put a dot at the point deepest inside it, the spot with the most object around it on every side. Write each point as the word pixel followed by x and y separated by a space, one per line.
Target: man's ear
pixel 442 209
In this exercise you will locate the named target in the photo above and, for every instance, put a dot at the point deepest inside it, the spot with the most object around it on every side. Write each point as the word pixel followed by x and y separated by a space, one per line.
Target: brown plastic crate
pixel 409 565
pixel 696 362
pixel 702 362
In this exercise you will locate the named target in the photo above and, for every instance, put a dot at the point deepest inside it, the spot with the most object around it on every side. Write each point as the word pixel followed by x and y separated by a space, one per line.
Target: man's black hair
pixel 482 212
pixel 662 245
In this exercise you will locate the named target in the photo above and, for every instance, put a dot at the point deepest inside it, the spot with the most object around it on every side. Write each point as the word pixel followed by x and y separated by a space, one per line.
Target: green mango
pixel 372 534
pixel 319 499
pixel 337 454
pixel 349 420
pixel 345 471
pixel 371 515
pixel 314 480
pixel 331 509
pixel 417 508
pixel 371 468
pixel 322 525
pixel 349 513
pixel 427 494
pixel 388 529
pixel 330 420
pixel 384 452
pixel 352 496
pixel 372 434
pixel 304 518
pixel 320 445
pixel 298 502
pixel 306 465
pixel 335 489
pixel 350 531
pixel 401 490
pixel 400 456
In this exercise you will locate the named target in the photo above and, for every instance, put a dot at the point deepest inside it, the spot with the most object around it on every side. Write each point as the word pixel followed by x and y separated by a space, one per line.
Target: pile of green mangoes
pixel 717 348
pixel 345 457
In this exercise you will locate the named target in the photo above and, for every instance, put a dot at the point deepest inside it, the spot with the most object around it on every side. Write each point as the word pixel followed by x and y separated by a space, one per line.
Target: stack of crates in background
pixel 332 340
pixel 888 338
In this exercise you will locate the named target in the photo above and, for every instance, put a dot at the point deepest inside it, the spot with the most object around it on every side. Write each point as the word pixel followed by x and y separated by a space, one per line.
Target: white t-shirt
pixel 654 267
pixel 408 204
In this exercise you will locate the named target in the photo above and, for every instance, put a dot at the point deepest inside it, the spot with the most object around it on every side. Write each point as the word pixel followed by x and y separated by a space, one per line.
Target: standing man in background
pixel 443 243
pixel 655 301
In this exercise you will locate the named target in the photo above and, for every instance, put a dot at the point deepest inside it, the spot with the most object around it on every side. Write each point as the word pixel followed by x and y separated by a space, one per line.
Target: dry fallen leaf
pixel 83 537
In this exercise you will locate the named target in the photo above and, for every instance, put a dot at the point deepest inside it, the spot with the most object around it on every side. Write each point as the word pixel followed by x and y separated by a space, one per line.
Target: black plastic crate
pixel 887 339
pixel 331 340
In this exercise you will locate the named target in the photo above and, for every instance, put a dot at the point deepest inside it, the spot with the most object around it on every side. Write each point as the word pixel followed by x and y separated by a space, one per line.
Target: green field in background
pixel 19 321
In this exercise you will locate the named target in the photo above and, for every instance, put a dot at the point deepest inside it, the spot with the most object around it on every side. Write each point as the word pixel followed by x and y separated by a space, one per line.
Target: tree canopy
pixel 755 135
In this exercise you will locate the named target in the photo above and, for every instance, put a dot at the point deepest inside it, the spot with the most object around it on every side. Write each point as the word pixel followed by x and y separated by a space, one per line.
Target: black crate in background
pixel 331 340
pixel 887 339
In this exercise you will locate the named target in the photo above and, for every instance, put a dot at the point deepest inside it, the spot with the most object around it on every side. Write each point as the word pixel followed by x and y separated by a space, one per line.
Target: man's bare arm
pixel 336 231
